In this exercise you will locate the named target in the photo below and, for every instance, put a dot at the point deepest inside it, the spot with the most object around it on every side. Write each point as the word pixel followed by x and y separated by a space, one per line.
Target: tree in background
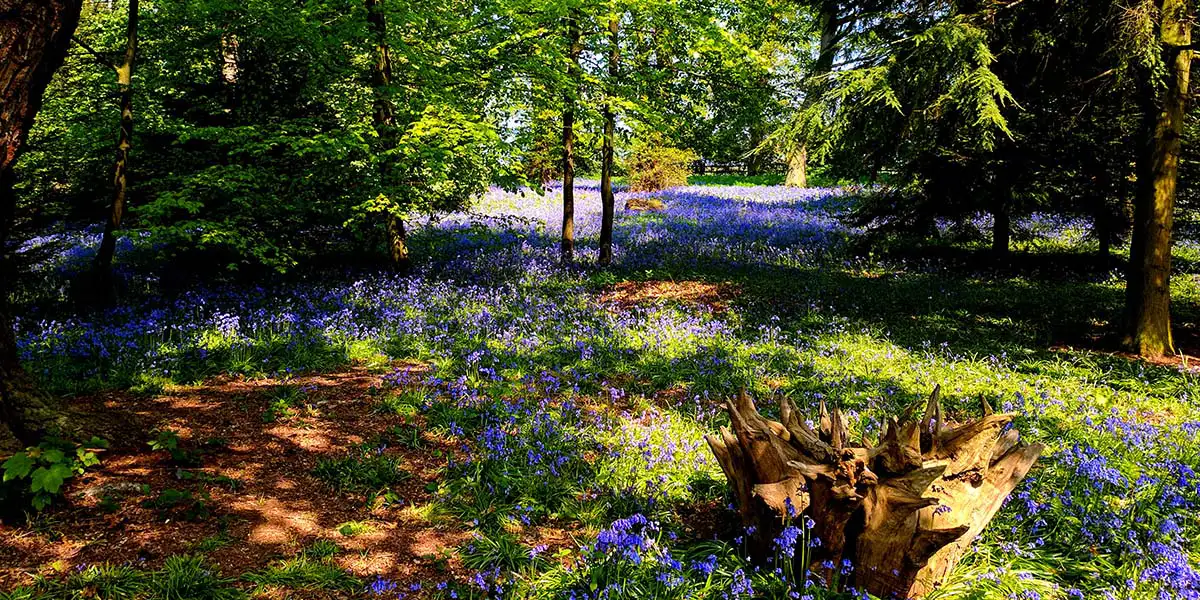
pixel 124 71
pixel 1161 38
pixel 607 198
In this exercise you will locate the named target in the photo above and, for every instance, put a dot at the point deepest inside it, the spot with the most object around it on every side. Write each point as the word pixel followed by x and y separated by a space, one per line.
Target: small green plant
pixel 183 504
pixel 407 436
pixel 168 441
pixel 111 582
pixel 213 542
pixel 353 528
pixel 322 549
pixel 405 402
pixel 189 577
pixel 284 400
pixel 498 550
pixel 304 572
pixel 36 474
pixel 366 470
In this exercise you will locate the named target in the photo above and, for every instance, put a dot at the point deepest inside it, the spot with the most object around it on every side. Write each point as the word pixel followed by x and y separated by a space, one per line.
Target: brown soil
pixel 715 296
pixel 278 506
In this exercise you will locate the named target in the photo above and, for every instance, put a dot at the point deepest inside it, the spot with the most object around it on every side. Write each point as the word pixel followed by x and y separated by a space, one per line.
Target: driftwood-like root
pixel 903 510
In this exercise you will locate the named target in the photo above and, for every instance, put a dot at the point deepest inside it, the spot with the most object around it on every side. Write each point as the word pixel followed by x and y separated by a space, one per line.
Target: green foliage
pixel 189 577
pixel 304 572
pixel 36 474
pixel 655 167
pixel 499 549
pixel 353 528
pixel 188 505
pixel 166 440
pixel 366 470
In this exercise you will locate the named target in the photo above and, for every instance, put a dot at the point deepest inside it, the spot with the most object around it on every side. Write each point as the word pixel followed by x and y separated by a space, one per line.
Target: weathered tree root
pixel 903 511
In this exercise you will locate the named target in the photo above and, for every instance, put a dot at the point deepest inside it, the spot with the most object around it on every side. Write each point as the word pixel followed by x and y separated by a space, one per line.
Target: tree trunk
pixel 34 35
pixel 903 511
pixel 385 125
pixel 108 244
pixel 1150 280
pixel 814 87
pixel 797 174
pixel 568 138
pixel 607 199
pixel 1001 230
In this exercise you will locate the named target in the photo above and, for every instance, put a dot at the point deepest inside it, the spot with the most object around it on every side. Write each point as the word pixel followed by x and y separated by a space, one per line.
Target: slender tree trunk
pixel 607 199
pixel 797 174
pixel 1150 325
pixel 568 138
pixel 385 124
pixel 108 244
pixel 1001 229
pixel 34 35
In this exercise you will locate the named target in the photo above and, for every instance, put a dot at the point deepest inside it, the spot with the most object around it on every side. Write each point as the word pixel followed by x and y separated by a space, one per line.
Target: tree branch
pixel 99 57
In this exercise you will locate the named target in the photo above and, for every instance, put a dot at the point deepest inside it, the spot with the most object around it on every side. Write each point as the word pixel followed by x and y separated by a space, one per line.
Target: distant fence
pixel 708 167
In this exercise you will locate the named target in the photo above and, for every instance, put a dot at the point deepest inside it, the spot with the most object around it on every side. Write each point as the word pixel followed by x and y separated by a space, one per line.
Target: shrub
pixel 654 167
pixel 45 467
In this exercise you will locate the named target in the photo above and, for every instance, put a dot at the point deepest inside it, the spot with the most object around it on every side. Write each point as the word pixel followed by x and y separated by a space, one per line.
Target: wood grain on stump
pixel 903 511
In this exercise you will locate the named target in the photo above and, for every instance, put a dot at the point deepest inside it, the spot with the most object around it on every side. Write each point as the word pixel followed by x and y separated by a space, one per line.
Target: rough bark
pixel 108 243
pixel 34 35
pixel 797 173
pixel 903 511
pixel 384 118
pixel 607 199
pixel 1149 281
pixel 568 138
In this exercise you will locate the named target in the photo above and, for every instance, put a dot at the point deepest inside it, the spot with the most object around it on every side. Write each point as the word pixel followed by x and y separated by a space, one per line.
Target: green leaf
pixel 50 479
pixel 17 466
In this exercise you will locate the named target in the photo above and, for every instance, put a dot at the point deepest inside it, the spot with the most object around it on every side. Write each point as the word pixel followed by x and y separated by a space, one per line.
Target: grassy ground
pixel 510 426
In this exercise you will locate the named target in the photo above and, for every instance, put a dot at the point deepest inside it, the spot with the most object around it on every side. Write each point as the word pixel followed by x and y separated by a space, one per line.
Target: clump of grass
pixel 322 549
pixel 304 573
pixel 367 470
pixel 406 402
pixel 182 504
pixel 498 550
pixel 353 528
pixel 284 400
pixel 111 582
pixel 189 577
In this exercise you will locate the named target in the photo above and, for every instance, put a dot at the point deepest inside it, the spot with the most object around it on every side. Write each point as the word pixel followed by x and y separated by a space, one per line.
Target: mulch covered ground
pixel 275 508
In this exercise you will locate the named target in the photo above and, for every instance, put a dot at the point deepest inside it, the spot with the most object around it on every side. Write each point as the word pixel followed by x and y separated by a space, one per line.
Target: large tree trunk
pixel 1149 278
pixel 568 138
pixel 385 124
pixel 797 173
pixel 903 511
pixel 34 35
pixel 108 244
pixel 607 199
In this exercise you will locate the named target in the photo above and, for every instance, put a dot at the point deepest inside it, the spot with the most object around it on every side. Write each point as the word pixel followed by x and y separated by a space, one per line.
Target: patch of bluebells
pixel 1124 488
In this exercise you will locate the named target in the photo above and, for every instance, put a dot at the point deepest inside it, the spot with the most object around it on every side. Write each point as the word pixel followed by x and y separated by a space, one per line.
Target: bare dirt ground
pixel 271 506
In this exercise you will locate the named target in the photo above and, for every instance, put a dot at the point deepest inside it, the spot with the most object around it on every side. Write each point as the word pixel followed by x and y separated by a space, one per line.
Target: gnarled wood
pixel 902 511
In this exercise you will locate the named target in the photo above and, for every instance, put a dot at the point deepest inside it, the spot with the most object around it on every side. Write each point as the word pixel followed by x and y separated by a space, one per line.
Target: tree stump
pixel 903 511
